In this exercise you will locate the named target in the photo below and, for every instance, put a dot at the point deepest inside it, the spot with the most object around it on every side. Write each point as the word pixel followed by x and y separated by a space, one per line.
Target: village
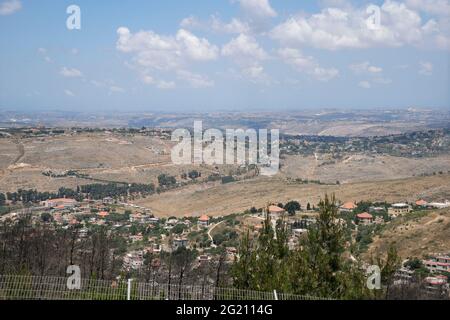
pixel 218 238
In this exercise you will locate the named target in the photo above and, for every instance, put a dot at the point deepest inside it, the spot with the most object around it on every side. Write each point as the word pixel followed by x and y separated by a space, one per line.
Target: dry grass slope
pixel 426 232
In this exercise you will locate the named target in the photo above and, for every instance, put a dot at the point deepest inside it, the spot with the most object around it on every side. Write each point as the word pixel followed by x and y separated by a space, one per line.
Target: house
pixel 437 285
pixel 203 221
pixel 399 209
pixel 276 212
pixel 203 259
pixel 348 207
pixel 153 220
pixel 133 260
pixel 108 200
pixel 421 203
pixel 365 218
pixel 403 276
pixel 103 214
pixel 435 266
pixel 61 202
pixel 180 243
pixel 443 259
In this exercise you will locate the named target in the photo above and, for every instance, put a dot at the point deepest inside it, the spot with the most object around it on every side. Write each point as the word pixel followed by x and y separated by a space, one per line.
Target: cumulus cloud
pixel 435 7
pixel 70 72
pixel 195 80
pixel 215 24
pixel 365 68
pixel 426 68
pixel 248 54
pixel 196 48
pixel 116 89
pixel 153 52
pixel 347 28
pixel 10 7
pixel 258 8
pixel 244 47
pixel 306 64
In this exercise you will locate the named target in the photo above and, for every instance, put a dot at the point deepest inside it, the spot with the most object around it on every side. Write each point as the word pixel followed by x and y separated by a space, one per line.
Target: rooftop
pixel 275 209
pixel 365 215
pixel 349 206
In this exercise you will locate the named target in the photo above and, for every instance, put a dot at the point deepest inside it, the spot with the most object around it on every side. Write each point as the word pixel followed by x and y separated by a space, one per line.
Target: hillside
pixel 415 235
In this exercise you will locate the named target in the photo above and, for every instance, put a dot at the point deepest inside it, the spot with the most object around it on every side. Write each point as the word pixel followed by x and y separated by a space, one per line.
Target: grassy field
pixel 236 197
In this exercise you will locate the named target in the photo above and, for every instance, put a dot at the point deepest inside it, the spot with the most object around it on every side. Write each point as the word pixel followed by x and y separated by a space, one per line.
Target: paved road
pixel 211 229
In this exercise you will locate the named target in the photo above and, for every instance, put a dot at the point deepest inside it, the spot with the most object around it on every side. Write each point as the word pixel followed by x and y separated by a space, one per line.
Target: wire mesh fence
pixel 15 287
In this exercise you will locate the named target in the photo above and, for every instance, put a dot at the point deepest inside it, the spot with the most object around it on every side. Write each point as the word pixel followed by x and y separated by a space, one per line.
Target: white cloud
pixel 426 68
pixel 195 80
pixel 382 80
pixel 235 26
pixel 365 84
pixel 69 93
pixel 10 7
pixel 116 89
pixel 215 24
pixel 160 84
pixel 258 8
pixel 307 64
pixel 71 72
pixel 436 7
pixel 190 22
pixel 365 68
pixel 244 47
pixel 196 48
pixel 248 54
pixel 155 55
pixel 43 52
pixel 343 28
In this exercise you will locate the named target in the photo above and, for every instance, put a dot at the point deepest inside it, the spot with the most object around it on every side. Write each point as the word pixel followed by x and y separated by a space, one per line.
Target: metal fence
pixel 15 287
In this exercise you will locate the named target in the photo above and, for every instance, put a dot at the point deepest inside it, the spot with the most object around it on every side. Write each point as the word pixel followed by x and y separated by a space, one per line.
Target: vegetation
pixel 292 206
pixel 317 267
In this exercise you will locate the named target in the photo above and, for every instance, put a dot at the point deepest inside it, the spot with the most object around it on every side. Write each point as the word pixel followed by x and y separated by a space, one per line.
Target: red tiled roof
pixel 421 203
pixel 204 218
pixel 365 215
pixel 275 209
pixel 349 206
pixel 103 214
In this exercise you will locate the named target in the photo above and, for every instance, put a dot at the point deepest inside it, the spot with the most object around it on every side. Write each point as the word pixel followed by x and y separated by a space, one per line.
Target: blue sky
pixel 207 55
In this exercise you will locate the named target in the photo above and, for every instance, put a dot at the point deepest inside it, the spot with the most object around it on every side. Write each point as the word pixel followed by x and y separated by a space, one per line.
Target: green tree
pixel 292 206
pixel 316 267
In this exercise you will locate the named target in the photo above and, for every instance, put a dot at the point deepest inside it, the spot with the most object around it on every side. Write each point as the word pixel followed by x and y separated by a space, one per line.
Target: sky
pixel 218 55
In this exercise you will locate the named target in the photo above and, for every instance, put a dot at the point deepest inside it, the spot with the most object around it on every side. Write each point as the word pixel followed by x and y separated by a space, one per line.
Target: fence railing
pixel 15 287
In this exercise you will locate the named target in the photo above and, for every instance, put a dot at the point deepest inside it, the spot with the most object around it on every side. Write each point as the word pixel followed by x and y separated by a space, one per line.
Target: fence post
pixel 275 295
pixel 129 289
